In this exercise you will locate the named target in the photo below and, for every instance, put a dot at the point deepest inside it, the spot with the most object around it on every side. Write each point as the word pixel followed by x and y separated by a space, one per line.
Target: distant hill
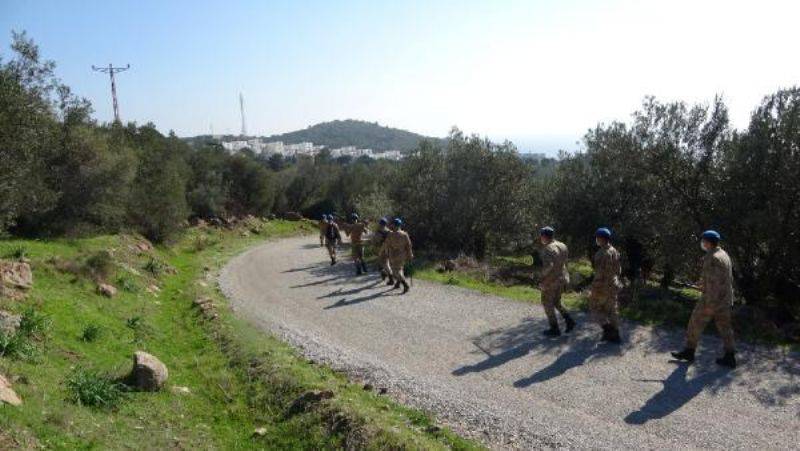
pixel 362 134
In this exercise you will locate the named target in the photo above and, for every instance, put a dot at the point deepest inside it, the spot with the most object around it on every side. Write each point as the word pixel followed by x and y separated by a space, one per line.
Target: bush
pixel 155 267
pixel 91 333
pixel 17 346
pixel 34 324
pixel 100 265
pixel 91 388
pixel 18 253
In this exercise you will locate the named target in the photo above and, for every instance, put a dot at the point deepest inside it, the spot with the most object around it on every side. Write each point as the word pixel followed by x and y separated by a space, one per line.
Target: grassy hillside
pixel 350 132
pixel 229 387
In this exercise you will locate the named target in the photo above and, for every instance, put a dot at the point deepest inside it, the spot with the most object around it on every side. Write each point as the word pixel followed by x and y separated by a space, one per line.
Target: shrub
pixel 100 265
pixel 18 253
pixel 91 388
pixel 34 324
pixel 127 284
pixel 17 346
pixel 155 267
pixel 91 333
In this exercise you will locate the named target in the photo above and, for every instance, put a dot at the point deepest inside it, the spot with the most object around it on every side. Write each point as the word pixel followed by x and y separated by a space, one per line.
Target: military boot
pixel 613 335
pixel 405 286
pixel 383 275
pixel 570 323
pixel 553 331
pixel 358 269
pixel 687 355
pixel 728 360
pixel 397 284
pixel 333 261
pixel 606 331
pixel 391 281
pixel 364 267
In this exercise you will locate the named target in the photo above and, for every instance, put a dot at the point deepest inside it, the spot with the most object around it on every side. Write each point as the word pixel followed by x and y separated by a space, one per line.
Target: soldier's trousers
pixel 551 301
pixel 603 307
pixel 397 270
pixel 704 312
pixel 358 252
pixel 331 246
pixel 383 263
pixel 321 238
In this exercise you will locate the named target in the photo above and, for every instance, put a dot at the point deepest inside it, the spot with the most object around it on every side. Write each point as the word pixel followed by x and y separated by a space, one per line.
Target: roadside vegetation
pixel 229 387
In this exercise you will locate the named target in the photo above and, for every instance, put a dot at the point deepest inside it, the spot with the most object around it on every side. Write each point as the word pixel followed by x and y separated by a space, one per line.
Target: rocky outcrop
pixel 7 394
pixel 148 373
pixel 15 276
pixel 9 323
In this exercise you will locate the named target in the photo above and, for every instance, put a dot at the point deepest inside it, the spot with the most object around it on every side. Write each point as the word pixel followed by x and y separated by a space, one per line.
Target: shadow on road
pixel 300 269
pixel 677 391
pixel 346 302
pixel 341 292
pixel 578 354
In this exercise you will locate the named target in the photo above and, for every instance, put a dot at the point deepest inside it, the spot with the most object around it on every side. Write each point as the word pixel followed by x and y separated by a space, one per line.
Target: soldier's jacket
pixel 607 269
pixel 379 237
pixel 398 246
pixel 355 231
pixel 554 265
pixel 717 278
pixel 323 225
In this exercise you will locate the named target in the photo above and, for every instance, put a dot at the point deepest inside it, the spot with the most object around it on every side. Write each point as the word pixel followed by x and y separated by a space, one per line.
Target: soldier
pixel 323 225
pixel 554 279
pixel 398 248
pixel 332 238
pixel 605 286
pixel 383 259
pixel 356 230
pixel 716 285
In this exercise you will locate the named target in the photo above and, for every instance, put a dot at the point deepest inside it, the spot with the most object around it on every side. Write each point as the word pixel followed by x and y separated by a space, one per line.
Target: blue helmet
pixel 547 231
pixel 711 235
pixel 383 221
pixel 603 232
pixel 354 216
pixel 398 222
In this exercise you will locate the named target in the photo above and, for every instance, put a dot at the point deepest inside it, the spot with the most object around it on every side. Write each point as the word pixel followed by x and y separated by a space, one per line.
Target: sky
pixel 539 73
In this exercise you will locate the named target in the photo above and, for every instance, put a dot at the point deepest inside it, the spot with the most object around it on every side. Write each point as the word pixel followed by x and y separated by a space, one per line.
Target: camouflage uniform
pixel 397 247
pixel 715 303
pixel 605 286
pixel 332 236
pixel 323 225
pixel 356 232
pixel 553 279
pixel 383 257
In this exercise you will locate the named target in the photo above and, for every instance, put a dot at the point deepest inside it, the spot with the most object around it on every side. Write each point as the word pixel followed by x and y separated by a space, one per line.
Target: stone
pixel 9 323
pixel 450 265
pixel 16 275
pixel 107 290
pixel 149 373
pixel 7 394
pixel 179 390
pixel 144 246
pixel 260 432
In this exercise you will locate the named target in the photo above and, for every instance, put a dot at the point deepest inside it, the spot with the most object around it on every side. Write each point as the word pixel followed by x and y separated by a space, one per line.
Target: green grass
pixel 239 378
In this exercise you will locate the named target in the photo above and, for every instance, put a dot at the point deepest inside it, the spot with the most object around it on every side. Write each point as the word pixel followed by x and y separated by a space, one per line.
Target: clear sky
pixel 537 72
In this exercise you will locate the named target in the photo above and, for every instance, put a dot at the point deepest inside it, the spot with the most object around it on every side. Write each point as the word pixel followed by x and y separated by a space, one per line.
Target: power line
pixel 111 70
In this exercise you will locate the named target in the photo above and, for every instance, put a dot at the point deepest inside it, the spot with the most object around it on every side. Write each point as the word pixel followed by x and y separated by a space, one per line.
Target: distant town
pixel 263 147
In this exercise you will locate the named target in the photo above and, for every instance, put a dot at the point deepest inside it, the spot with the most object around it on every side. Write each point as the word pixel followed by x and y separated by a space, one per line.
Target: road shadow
pixel 300 269
pixel 500 346
pixel 677 391
pixel 356 290
pixel 576 355
pixel 358 300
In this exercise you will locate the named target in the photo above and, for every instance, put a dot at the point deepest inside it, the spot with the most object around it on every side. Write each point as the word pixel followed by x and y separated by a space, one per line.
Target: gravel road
pixel 481 365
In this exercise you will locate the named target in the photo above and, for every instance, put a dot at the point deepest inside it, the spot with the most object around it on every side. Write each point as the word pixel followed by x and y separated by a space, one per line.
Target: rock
pixel 107 290
pixel 449 265
pixel 383 391
pixel 149 373
pixel 16 275
pixel 260 432
pixel 307 400
pixel 206 307
pixel 7 394
pixel 178 390
pixel 144 246
pixel 153 289
pixel 9 323
pixel 368 387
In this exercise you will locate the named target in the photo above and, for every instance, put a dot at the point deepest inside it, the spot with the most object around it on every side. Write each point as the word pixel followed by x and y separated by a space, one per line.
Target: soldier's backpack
pixel 330 232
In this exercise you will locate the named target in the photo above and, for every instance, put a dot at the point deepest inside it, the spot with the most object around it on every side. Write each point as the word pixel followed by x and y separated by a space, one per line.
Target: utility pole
pixel 111 70
pixel 241 107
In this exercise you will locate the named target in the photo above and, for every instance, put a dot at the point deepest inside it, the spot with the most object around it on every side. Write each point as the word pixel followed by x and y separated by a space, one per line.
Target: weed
pixel 100 265
pixel 91 333
pixel 34 324
pixel 91 388
pixel 155 267
pixel 18 253
pixel 203 242
pixel 140 329
pixel 127 284
pixel 18 346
